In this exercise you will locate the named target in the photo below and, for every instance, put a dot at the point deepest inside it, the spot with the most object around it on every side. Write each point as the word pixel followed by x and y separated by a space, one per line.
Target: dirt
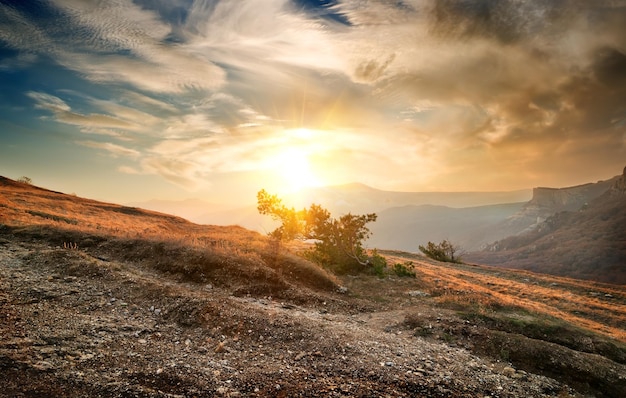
pixel 77 322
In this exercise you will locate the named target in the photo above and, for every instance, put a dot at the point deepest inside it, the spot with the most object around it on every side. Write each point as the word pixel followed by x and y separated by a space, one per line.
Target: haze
pixel 153 99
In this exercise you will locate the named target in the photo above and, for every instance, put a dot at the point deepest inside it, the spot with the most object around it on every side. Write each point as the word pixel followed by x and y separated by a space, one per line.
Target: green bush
pixel 444 251
pixel 339 242
pixel 378 263
pixel 404 270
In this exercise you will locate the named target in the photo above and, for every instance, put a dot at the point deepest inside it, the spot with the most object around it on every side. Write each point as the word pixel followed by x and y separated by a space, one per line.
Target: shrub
pixel 404 270
pixel 339 242
pixel 25 180
pixel 378 263
pixel 444 251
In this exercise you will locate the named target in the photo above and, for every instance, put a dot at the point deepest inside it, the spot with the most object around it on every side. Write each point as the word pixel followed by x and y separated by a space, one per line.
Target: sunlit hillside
pixel 99 299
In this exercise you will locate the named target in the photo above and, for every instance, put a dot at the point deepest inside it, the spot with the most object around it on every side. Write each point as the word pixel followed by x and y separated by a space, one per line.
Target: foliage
pixel 444 251
pixel 339 242
pixel 292 221
pixel 25 180
pixel 379 263
pixel 404 270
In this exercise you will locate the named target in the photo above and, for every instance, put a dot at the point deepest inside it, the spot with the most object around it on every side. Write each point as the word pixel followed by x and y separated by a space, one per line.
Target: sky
pixel 130 100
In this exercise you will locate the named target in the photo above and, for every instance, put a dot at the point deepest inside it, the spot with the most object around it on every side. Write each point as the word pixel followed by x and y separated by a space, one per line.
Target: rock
pixel 508 371
pixel 221 347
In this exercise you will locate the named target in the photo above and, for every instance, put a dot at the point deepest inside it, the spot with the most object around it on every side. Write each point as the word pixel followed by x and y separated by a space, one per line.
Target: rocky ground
pixel 76 323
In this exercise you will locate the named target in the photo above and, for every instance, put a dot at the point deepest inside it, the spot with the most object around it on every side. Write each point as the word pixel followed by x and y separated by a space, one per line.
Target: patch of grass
pixel 52 217
pixel 554 330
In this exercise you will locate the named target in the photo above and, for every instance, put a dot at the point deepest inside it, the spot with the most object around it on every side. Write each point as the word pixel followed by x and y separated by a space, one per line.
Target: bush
pixel 404 270
pixel 444 251
pixel 378 263
pixel 25 180
pixel 339 242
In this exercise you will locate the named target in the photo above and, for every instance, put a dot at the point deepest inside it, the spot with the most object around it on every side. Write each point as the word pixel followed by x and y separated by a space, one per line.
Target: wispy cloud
pixel 113 149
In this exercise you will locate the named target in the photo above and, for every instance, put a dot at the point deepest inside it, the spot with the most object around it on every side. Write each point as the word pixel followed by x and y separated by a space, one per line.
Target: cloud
pixel 92 122
pixel 20 61
pixel 117 43
pixel 113 149
pixel 176 171
pixel 48 102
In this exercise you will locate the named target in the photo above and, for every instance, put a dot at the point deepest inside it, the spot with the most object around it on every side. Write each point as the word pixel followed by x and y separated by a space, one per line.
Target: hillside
pixel 98 299
pixel 587 241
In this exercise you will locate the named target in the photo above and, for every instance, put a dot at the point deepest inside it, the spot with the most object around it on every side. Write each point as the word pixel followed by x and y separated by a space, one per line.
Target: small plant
pixel 25 180
pixel 404 270
pixel 70 245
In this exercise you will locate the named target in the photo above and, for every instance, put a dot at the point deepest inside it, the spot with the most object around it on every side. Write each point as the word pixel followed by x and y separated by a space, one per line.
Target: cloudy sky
pixel 128 100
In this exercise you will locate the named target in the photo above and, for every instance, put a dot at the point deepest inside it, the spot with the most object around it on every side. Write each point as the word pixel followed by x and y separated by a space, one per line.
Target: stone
pixel 508 371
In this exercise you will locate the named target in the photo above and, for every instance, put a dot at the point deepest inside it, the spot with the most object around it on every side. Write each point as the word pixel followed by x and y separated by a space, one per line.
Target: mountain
pixel 473 228
pixel 360 198
pixel 548 201
pixel 587 243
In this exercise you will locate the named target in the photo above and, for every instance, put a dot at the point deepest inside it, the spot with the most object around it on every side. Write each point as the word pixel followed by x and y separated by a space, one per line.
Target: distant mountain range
pixel 350 198
pixel 576 231
pixel 359 198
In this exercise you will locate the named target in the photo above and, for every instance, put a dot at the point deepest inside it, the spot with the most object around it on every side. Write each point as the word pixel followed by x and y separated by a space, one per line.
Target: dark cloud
pixel 507 21
pixel 609 66
pixel 372 70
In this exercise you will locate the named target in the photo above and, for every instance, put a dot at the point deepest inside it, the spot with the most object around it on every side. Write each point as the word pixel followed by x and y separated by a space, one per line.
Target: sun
pixel 294 170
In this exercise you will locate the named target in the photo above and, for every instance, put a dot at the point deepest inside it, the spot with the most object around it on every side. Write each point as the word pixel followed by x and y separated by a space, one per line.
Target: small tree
pixel 444 251
pixel 339 242
pixel 25 180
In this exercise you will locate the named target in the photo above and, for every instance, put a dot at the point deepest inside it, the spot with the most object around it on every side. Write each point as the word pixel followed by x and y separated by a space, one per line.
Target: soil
pixel 76 322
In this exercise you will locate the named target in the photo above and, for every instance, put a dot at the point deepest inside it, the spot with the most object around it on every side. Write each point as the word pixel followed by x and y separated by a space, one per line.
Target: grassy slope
pixel 227 255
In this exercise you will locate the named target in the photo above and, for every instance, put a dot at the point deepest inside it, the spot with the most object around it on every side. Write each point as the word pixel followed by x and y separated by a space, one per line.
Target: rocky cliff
pixel 619 186
pixel 585 243
pixel 548 201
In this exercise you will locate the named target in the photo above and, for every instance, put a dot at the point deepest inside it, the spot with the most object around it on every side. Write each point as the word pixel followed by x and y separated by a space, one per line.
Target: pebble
pixel 508 371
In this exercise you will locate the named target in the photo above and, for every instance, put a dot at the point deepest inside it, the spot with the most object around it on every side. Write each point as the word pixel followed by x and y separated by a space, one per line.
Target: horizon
pixel 143 100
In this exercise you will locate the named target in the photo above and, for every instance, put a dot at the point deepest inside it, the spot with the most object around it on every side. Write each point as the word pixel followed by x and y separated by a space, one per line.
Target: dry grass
pixel 227 255
pixel 593 306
